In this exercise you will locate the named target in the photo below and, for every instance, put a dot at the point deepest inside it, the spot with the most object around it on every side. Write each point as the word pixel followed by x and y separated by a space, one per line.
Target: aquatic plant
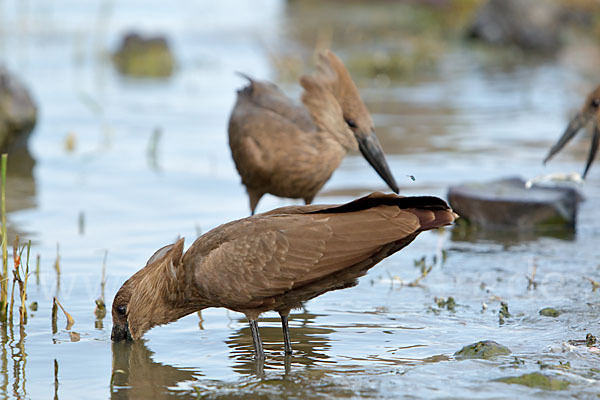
pixel 70 320
pixel 20 277
pixel 54 318
pixel 37 269
pixel 100 310
pixel 503 312
pixel 56 383
pixel 4 276
pixel 57 268
pixel 536 380
pixel 20 270
pixel 531 282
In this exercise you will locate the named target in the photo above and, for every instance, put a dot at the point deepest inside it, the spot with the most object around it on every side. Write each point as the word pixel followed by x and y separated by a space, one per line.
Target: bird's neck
pixel 164 294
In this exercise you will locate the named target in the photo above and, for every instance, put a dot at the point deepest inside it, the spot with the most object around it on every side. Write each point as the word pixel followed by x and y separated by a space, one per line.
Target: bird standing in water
pixel 590 110
pixel 272 261
pixel 291 151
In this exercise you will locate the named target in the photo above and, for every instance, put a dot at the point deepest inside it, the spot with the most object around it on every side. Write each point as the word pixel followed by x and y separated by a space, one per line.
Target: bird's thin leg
pixel 286 334
pixel 258 347
pixel 287 364
pixel 259 366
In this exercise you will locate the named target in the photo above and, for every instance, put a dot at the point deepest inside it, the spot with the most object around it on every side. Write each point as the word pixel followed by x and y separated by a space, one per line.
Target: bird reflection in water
pixel 136 376
pixel 309 340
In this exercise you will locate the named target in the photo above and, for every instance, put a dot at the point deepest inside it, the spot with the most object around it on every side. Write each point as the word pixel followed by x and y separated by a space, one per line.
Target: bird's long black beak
pixel 120 332
pixel 371 149
pixel 574 126
pixel 593 149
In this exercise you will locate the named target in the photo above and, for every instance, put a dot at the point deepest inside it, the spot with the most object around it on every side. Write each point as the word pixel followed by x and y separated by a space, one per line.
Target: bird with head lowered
pixel 272 261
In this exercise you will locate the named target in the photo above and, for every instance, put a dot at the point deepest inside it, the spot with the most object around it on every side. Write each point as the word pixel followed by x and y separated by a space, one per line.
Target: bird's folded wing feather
pixel 278 253
pixel 259 143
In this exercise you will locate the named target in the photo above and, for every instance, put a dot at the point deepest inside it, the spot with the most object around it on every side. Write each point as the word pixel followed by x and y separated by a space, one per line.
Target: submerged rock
pixel 485 349
pixel 528 24
pixel 536 380
pixel 549 312
pixel 507 204
pixel 18 113
pixel 148 57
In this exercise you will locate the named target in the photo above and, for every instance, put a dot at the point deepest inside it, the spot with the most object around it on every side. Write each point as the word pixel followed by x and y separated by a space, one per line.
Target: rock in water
pixel 485 349
pixel 549 312
pixel 17 111
pixel 507 204
pixel 144 57
pixel 528 24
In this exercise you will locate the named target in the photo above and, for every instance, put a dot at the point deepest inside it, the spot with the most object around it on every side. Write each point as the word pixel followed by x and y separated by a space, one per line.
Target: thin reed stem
pixel 4 277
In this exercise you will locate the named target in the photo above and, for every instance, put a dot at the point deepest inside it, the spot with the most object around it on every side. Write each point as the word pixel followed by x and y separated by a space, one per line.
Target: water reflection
pixel 20 185
pixel 136 376
pixel 464 232
pixel 13 350
pixel 309 342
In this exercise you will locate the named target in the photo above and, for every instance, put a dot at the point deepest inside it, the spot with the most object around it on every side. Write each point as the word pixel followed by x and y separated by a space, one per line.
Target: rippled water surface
pixel 471 117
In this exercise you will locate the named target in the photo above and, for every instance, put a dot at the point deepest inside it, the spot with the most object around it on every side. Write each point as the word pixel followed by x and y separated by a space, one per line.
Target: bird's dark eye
pixel 351 123
pixel 596 102
pixel 122 310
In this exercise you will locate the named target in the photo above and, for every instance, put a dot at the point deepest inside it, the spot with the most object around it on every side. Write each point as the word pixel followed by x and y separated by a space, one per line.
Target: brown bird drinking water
pixel 590 110
pixel 291 151
pixel 272 261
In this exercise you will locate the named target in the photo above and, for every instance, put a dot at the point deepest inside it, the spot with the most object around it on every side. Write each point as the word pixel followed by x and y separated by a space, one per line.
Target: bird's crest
pixel 332 73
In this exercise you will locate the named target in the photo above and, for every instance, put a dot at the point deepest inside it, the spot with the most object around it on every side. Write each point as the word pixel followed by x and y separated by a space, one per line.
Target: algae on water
pixel 536 380
pixel 549 312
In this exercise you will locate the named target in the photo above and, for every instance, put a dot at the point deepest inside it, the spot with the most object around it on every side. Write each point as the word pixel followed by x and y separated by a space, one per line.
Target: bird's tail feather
pixel 433 219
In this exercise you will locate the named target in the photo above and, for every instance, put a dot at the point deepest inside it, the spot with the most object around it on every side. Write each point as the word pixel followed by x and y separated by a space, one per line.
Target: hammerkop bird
pixel 272 261
pixel 590 110
pixel 291 151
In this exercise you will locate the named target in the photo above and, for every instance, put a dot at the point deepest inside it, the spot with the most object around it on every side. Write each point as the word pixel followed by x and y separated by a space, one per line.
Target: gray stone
pixel 528 24
pixel 506 204
pixel 18 113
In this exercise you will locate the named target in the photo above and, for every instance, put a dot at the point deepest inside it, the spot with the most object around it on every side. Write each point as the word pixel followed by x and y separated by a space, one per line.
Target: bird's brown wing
pixel 265 132
pixel 257 138
pixel 277 253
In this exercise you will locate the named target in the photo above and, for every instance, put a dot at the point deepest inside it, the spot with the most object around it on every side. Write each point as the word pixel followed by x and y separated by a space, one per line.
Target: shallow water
pixel 469 119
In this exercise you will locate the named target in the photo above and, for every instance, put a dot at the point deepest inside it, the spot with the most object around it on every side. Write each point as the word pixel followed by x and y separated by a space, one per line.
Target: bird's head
pixel 589 111
pixel 332 73
pixel 149 297
pixel 591 108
